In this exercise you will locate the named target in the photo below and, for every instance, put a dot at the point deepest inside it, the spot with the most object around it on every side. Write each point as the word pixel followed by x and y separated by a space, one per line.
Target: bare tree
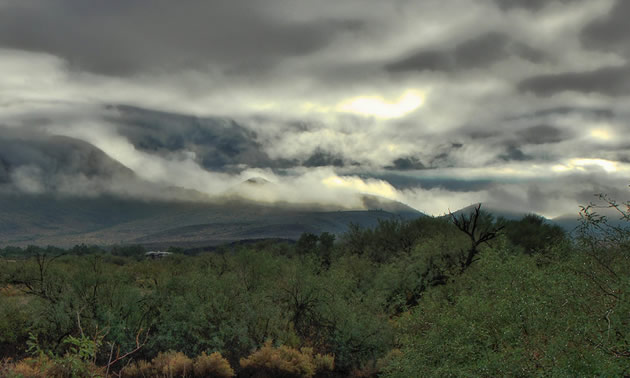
pixel 478 233
pixel 596 228
pixel 39 283
pixel 113 359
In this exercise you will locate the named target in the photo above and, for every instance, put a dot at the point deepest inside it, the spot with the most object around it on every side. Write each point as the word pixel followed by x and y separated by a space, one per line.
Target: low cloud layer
pixel 436 104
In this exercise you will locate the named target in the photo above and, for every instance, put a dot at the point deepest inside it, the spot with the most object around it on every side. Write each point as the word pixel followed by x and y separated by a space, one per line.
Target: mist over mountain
pixel 218 144
pixel 39 163
pixel 416 103
pixel 65 191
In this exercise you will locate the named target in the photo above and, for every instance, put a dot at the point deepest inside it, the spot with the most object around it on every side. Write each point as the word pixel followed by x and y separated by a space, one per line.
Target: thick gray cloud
pixel 473 53
pixel 613 81
pixel 526 4
pixel 514 153
pixel 406 164
pixel 566 110
pixel 610 33
pixel 217 143
pixel 321 158
pixel 123 37
pixel 437 103
pixel 542 134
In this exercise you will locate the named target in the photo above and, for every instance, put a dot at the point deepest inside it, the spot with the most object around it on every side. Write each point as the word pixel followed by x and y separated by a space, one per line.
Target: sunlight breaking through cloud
pixel 584 165
pixel 378 106
pixel 601 134
pixel 355 184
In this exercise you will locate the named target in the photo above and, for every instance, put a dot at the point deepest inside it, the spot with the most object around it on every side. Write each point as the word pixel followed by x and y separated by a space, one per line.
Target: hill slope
pixel 106 220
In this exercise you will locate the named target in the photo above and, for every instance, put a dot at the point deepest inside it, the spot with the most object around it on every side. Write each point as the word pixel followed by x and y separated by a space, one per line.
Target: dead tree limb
pixel 477 233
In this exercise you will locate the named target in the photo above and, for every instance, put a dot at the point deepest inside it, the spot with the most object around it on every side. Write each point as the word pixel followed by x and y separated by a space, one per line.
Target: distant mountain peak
pixel 257 180
pixel 372 202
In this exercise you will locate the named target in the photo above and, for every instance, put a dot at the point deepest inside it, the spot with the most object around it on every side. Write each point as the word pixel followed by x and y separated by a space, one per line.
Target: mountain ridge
pixel 107 220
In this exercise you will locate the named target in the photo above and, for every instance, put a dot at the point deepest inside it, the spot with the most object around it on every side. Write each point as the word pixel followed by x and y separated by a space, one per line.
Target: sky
pixel 524 105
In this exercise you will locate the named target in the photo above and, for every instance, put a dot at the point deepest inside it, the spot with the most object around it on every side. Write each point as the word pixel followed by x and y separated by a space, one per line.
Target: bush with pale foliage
pixel 43 366
pixel 213 365
pixel 137 369
pixel 286 362
pixel 176 364
pixel 171 364
pixel 27 368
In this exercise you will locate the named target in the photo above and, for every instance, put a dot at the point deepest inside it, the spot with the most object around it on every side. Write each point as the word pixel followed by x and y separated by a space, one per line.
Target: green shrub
pixel 533 233
pixel 14 323
pixel 510 316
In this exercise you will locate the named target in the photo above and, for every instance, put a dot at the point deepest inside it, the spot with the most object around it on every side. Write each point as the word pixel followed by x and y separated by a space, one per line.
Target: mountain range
pixel 47 219
pixel 63 191
pixel 106 220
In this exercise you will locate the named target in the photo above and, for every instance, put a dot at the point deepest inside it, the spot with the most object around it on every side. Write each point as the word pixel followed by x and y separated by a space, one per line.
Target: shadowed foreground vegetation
pixel 430 297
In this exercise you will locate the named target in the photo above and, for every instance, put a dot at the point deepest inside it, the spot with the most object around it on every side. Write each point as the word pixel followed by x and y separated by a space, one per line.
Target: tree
pixel 307 243
pixel 533 233
pixel 479 229
pixel 596 228
pixel 326 244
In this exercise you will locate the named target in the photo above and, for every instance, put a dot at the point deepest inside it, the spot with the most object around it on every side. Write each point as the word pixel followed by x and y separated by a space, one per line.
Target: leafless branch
pixel 469 224
pixel 139 345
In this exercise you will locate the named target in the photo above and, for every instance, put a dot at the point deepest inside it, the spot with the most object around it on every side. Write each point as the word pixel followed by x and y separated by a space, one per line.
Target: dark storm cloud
pixel 476 133
pixel 321 158
pixel 533 5
pixel 566 110
pixel 511 135
pixel 610 33
pixel 438 156
pixel 529 4
pixel 224 145
pixel 542 134
pixel 473 53
pixel 611 81
pixel 441 161
pixel 123 37
pixel 217 143
pixel 410 163
pixel 514 153
pixel 506 142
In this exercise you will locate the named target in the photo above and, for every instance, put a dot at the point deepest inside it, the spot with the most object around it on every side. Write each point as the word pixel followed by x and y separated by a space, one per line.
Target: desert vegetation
pixel 466 295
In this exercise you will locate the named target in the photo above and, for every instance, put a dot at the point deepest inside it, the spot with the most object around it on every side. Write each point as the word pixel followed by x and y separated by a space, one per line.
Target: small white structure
pixel 157 254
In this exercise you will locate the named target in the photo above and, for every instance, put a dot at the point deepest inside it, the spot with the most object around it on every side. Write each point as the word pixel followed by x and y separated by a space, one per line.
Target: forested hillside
pixel 465 296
